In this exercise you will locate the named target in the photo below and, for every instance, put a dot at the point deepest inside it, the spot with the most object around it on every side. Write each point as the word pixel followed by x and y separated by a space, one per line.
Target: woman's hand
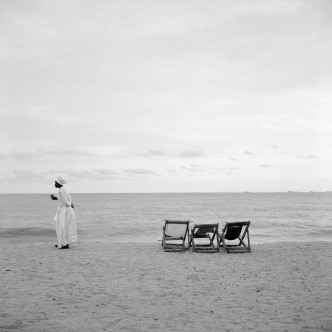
pixel 72 205
pixel 53 197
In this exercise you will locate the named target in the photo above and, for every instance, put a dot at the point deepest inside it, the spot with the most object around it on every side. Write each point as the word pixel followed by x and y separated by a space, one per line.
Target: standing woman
pixel 65 221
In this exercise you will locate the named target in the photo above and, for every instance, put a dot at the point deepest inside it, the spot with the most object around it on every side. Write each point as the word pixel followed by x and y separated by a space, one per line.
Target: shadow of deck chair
pixel 235 237
pixel 205 238
pixel 175 234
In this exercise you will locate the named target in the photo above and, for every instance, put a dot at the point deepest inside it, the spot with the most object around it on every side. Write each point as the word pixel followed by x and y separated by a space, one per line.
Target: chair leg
pixel 223 243
pixel 248 240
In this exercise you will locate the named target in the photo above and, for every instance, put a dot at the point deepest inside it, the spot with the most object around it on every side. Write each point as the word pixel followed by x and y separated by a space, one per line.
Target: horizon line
pixel 182 192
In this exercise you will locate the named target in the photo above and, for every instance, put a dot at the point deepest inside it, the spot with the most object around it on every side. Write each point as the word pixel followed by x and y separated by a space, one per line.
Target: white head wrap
pixel 61 180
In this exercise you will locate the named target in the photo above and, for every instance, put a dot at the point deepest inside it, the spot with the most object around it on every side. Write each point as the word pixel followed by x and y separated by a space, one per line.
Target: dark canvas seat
pixel 235 237
pixel 175 235
pixel 204 238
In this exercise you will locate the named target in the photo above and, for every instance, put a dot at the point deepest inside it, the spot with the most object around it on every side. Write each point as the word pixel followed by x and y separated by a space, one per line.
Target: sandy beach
pixel 99 286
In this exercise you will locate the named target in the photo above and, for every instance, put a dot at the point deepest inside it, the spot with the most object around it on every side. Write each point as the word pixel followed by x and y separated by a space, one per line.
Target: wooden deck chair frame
pixel 168 241
pixel 233 231
pixel 205 231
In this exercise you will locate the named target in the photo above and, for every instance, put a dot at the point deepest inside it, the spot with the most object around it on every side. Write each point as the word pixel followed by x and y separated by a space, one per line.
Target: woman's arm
pixel 63 199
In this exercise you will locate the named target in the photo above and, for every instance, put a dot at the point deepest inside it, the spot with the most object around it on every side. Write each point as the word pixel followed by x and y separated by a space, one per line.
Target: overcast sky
pixel 165 95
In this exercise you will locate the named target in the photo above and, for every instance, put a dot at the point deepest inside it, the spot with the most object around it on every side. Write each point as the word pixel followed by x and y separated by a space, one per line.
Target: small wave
pixel 320 232
pixel 25 231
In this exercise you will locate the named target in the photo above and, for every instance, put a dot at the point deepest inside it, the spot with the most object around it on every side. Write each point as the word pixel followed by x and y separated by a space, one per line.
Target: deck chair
pixel 235 237
pixel 175 234
pixel 203 238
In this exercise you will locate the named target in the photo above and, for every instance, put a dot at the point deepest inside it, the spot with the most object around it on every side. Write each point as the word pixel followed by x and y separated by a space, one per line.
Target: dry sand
pixel 139 287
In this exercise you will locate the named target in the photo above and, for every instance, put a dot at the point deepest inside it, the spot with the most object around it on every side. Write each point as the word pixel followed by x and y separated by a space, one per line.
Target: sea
pixel 139 218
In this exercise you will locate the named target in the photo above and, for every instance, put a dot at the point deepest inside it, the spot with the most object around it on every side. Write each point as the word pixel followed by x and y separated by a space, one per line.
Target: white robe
pixel 65 220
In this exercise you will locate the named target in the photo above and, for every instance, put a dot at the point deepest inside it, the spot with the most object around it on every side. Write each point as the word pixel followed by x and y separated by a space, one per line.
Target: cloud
pixel 193 168
pixel 265 166
pixel 18 176
pixel 249 153
pixel 94 174
pixel 139 171
pixel 273 146
pixel 69 152
pixel 43 153
pixel 105 172
pixel 192 154
pixel 307 156
pixel 231 168
pixel 26 155
pixel 158 153
pixel 153 153
pixel 73 151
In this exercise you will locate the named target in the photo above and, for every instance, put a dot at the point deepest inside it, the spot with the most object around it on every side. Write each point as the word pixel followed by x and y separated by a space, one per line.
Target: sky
pixel 165 96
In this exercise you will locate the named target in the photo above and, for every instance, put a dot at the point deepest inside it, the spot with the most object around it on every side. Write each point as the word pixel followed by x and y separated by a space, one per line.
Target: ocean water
pixel 139 217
